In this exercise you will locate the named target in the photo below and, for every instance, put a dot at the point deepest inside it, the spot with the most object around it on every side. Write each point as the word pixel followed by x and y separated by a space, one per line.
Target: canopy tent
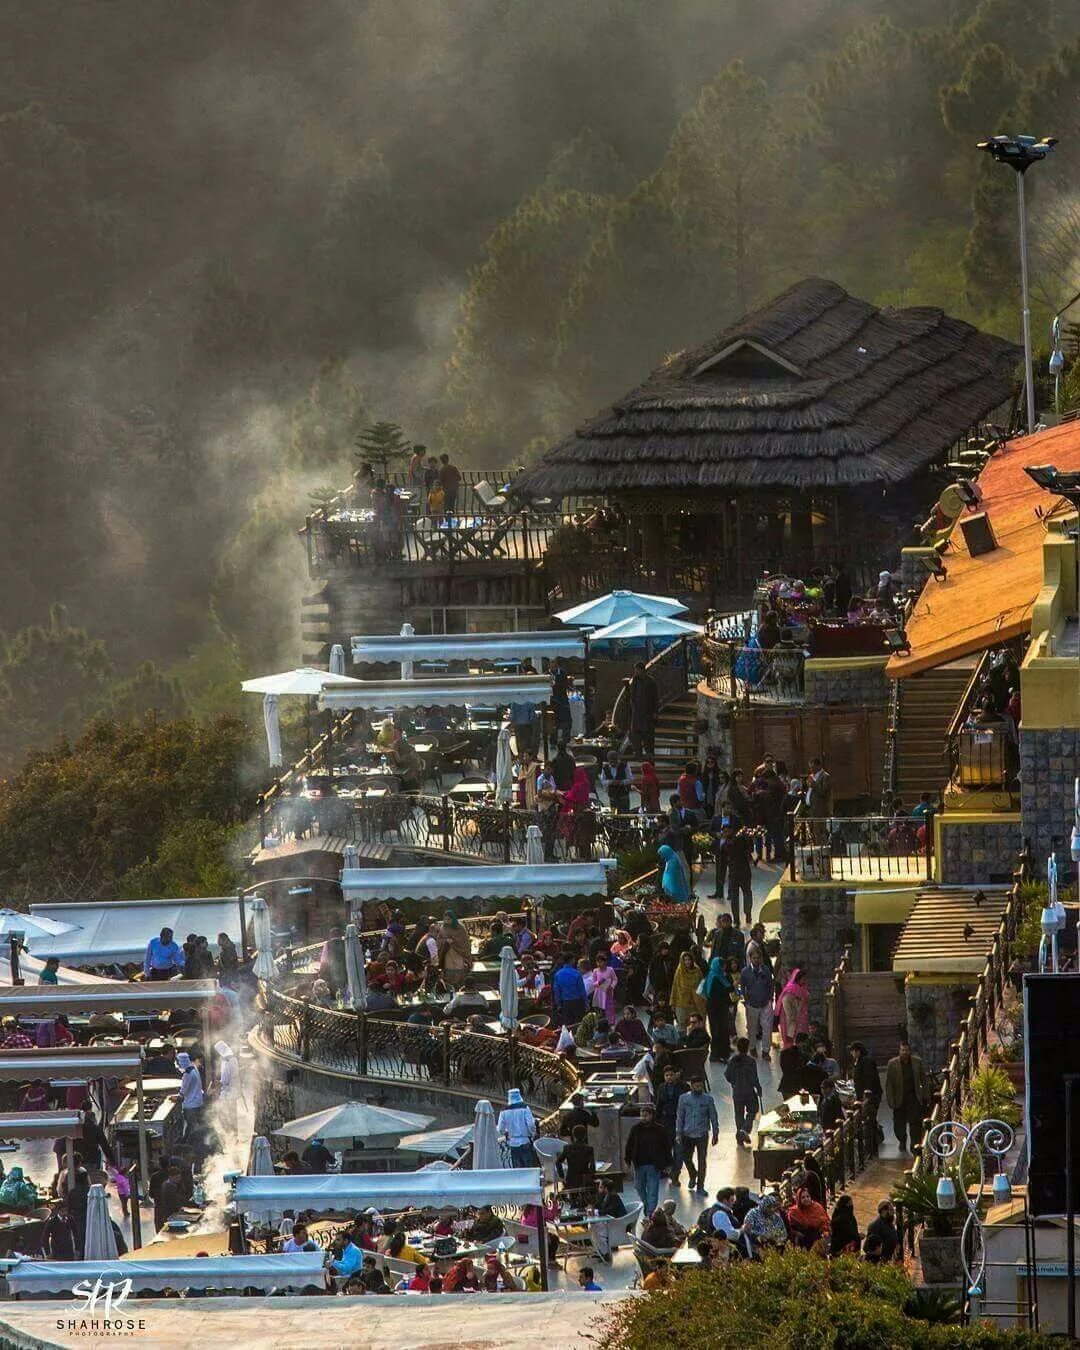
pixel 449 692
pixel 338 1126
pixel 44 1000
pixel 116 932
pixel 388 1190
pixel 434 1143
pixel 646 628
pixel 617 605
pixel 30 967
pixel 82 1063
pixel 27 926
pixel 305 680
pixel 41 1124
pixel 469 647
pixel 545 881
pixel 293 1270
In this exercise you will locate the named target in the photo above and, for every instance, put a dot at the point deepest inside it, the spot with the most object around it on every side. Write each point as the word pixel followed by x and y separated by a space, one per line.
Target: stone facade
pixel 973 853
pixel 1049 762
pixel 862 686
pixel 935 1013
pixel 816 924
pixel 714 728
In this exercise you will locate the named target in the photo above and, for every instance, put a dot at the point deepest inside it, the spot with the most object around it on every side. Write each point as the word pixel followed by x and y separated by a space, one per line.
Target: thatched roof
pixel 816 389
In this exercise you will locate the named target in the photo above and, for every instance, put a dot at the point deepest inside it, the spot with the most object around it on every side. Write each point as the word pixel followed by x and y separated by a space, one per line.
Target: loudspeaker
pixel 1051 1050
pixel 978 534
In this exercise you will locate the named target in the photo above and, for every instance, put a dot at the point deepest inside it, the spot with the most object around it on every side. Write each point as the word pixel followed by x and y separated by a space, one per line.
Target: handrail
pixel 834 1003
pixel 888 777
pixel 842 1154
pixel 684 653
pixel 859 847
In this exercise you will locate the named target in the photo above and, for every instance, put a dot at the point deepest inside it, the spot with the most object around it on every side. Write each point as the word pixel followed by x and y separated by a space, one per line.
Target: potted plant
pixel 938 1241
pixel 1007 1052
pixel 991 1096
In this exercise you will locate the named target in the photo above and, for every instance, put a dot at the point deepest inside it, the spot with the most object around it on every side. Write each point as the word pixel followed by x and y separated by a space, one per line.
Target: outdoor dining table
pixel 470 791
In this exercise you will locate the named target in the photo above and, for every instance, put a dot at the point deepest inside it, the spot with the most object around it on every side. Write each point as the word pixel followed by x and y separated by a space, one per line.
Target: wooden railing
pixel 834 1000
pixel 842 1154
pixel 676 670
pixel 365 1046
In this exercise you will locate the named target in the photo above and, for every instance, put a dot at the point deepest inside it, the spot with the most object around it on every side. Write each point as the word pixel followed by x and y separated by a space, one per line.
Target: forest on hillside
pixel 238 233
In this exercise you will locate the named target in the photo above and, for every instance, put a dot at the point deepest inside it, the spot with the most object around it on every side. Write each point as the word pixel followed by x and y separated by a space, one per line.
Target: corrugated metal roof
pixel 950 929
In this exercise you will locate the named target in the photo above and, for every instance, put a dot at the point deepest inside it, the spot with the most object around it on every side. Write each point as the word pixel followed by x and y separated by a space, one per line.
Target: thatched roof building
pixel 816 390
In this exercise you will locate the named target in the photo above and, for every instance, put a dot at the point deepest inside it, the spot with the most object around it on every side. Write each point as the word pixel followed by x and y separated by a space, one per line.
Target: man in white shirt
pixel 517 1125
pixel 192 1099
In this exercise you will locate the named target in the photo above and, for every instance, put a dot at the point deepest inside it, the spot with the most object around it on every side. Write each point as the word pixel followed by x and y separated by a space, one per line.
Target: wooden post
pixel 140 1103
pixel 136 1217
pixel 541 1241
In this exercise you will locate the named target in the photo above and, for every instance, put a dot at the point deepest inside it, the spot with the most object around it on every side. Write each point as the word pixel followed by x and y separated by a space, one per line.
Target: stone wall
pixel 1049 762
pixel 972 853
pixel 816 924
pixel 714 727
pixel 854 686
pixel 935 1014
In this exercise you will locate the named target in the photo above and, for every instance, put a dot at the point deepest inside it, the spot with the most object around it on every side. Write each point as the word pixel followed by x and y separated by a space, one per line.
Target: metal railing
pixel 752 674
pixel 337 542
pixel 859 848
pixel 981 755
pixel 892 731
pixel 305 959
pixel 440 1056
pixel 843 1153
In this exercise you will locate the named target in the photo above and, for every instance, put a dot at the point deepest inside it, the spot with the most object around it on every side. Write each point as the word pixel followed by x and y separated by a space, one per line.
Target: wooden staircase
pixel 676 739
pixel 927 703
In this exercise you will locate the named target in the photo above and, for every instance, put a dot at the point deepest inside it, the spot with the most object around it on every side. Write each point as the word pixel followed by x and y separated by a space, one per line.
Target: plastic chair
pixel 548 1149
pixel 649 1257
pixel 616 1232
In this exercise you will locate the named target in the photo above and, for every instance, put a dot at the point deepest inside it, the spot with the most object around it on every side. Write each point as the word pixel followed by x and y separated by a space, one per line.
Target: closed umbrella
pixel 486 1153
pixel 260 1160
pixel 504 787
pixel 508 989
pixel 272 724
pixel 618 605
pixel 534 847
pixel 407 630
pixel 100 1239
pixel 355 970
pixel 337 659
pixel 264 966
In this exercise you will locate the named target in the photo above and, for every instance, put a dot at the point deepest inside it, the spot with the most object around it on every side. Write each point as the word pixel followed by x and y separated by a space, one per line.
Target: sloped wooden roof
pixel 988 599
pixel 816 389
pixel 950 930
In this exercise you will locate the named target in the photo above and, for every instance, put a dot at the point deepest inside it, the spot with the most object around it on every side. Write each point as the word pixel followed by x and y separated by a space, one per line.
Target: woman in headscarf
pixel 685 998
pixel 649 788
pixel 793 1009
pixel 764 1225
pixel 623 944
pixel 455 950
pixel 718 1005
pixel 673 877
pixel 807 1220
pixel 604 980
pixel 574 812
pixel 845 1237
pixel 460 1277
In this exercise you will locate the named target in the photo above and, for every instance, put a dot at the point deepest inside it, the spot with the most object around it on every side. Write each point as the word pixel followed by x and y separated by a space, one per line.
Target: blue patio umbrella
pixel 618 605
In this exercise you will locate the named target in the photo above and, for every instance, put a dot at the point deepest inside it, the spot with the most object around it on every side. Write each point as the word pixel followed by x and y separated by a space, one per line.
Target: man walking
pixel 819 801
pixel 644 706
pixel 669 1092
pixel 757 989
pixel 908 1094
pixel 866 1079
pixel 695 1119
pixel 648 1154
pixel 561 684
pixel 450 482
pixel 734 860
pixel 741 1072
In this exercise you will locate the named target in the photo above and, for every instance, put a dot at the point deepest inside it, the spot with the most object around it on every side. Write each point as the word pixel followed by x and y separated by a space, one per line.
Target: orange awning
pixel 988 599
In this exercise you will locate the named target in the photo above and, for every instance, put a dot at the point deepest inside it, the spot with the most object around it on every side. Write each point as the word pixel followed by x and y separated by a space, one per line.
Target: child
pixel 123 1187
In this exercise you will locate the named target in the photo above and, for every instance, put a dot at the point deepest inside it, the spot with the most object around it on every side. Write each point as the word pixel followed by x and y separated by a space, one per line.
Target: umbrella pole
pixel 144 1152
pixel 542 1242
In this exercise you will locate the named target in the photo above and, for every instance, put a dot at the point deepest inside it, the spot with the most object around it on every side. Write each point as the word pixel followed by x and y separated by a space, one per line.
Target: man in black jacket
pixel 648 1153
pixel 667 1107
pixel 579 1114
pixel 830 1109
pixel 741 1072
pixel 734 862
pixel 866 1079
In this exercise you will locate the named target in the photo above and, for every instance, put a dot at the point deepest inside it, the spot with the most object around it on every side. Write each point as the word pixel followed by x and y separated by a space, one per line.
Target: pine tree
pixel 380 444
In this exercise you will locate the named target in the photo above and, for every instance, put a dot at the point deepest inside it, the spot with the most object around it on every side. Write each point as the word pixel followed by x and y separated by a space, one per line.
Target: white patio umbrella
pixel 99 1238
pixel 31 926
pixel 534 847
pixel 608 609
pixel 486 1153
pixel 504 784
pixel 644 628
pixel 260 1159
pixel 437 1141
pixel 355 970
pixel 306 681
pixel 337 659
pixel 407 630
pixel 272 723
pixel 338 1126
pixel 508 989
pixel 264 966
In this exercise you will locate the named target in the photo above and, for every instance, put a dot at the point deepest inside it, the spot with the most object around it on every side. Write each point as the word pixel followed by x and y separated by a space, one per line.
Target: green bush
pixel 791 1301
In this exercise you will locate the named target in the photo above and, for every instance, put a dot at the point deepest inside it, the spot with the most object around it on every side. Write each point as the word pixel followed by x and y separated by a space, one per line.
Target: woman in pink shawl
pixel 573 802
pixel 793 1008
pixel 602 982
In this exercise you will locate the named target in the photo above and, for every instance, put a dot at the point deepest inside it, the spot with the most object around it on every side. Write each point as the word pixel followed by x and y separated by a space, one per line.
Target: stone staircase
pixel 927 705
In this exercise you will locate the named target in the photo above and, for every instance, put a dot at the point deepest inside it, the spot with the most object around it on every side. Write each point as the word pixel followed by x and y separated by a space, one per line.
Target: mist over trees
pixel 237 234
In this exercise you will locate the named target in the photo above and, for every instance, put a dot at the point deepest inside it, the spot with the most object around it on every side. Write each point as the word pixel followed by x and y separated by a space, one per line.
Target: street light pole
pixel 1020 153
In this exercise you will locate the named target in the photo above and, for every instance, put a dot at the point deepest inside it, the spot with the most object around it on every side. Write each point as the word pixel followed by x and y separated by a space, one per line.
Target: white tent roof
pixel 639 627
pixel 469 646
pixel 80 1063
pixel 43 1000
pixel 388 1190
pixel 30 967
pixel 616 605
pixel 30 925
pixel 435 1143
pixel 40 1124
pixel 543 880
pixel 292 1270
pixel 116 932
pixel 304 680
pixel 352 1120
pixel 450 692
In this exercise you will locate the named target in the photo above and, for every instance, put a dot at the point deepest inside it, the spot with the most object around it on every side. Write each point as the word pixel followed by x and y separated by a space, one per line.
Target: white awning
pixel 470 646
pixel 30 968
pixel 78 1063
pixel 388 1191
pixel 43 1000
pixel 540 881
pixel 40 1124
pixel 289 1270
pixel 116 932
pixel 451 692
